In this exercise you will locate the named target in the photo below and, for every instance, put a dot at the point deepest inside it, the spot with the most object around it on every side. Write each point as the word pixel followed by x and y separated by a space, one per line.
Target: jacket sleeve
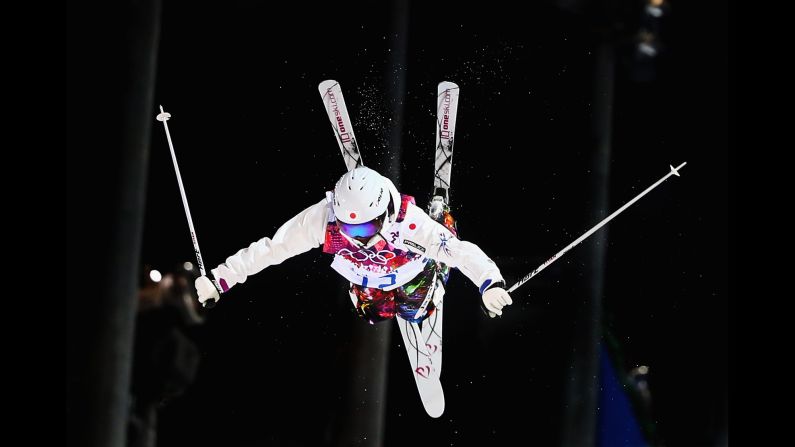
pixel 441 245
pixel 300 234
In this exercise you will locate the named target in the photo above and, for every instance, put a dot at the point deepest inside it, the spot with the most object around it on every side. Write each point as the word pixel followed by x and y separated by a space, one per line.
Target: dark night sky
pixel 255 147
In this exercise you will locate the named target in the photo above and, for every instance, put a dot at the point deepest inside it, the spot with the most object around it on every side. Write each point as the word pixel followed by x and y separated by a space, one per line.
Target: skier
pixel 390 250
pixel 395 256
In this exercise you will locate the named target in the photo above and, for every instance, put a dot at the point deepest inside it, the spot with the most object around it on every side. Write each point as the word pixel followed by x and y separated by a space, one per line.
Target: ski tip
pixel 435 409
pixel 446 85
pixel 431 394
pixel 325 85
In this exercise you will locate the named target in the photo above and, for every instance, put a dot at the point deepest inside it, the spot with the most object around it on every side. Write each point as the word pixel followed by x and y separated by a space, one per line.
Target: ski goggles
pixel 364 229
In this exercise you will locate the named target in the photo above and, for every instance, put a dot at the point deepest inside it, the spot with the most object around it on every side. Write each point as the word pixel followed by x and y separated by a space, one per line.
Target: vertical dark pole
pixel 365 402
pixel 395 79
pixel 364 425
pixel 580 415
pixel 111 59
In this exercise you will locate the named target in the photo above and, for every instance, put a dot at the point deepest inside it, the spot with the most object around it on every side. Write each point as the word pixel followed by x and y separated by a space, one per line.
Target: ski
pixel 425 373
pixel 423 341
pixel 334 102
pixel 446 113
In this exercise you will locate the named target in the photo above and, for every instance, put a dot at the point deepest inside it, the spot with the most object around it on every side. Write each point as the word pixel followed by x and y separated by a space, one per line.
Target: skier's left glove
pixel 494 299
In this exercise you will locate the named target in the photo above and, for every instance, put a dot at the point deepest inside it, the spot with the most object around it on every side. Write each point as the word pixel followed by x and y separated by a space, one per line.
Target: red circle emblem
pixel 353 215
pixel 412 226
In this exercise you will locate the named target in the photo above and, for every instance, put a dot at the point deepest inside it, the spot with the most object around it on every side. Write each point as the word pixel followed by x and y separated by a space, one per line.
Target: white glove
pixel 206 289
pixel 495 299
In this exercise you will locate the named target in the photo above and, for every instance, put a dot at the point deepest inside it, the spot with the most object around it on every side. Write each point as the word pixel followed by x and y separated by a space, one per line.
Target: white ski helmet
pixel 362 195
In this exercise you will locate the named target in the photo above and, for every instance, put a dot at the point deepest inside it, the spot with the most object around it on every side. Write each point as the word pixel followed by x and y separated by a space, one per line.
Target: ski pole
pixel 163 116
pixel 674 171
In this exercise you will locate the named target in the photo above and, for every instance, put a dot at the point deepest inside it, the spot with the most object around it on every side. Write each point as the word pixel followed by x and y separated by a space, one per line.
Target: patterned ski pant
pixel 375 305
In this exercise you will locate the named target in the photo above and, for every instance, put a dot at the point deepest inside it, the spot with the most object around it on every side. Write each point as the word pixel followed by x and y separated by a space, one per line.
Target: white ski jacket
pixel 409 243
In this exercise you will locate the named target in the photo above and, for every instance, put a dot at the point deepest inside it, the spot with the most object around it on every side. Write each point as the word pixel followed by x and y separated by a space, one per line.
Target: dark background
pixel 255 147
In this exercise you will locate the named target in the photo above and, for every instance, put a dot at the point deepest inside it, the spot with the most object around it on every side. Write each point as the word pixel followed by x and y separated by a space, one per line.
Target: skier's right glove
pixel 494 299
pixel 207 289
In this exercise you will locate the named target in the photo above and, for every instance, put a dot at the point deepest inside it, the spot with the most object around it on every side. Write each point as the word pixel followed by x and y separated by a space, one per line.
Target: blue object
pixel 617 424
